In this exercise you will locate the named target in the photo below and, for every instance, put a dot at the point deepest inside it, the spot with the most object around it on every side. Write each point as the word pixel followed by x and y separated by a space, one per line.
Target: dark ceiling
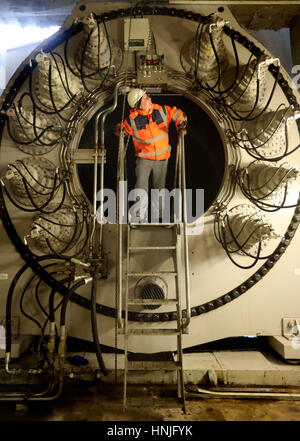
pixel 54 12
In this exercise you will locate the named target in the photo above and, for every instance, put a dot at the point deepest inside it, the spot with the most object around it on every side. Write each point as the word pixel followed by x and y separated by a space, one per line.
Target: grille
pixel 152 291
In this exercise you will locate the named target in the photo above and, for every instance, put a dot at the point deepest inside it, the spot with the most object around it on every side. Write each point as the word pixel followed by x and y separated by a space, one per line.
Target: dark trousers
pixel 144 169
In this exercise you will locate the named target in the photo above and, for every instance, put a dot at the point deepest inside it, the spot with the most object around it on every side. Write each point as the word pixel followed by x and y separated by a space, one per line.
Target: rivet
pixel 235 293
pixel 201 309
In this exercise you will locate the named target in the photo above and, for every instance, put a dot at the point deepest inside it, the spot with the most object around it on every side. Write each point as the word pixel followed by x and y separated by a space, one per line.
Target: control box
pixel 137 35
pixel 151 70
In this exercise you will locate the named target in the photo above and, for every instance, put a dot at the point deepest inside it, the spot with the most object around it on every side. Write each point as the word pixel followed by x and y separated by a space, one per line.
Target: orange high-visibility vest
pixel 149 130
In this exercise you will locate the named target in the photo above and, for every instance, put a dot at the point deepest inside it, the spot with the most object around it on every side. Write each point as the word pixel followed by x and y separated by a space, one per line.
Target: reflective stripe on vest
pixel 141 154
pixel 152 140
pixel 163 116
pixel 175 115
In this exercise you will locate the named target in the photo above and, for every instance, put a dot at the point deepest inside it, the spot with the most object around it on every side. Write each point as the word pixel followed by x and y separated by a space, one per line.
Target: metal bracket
pixel 266 63
pixel 291 328
pixel 87 156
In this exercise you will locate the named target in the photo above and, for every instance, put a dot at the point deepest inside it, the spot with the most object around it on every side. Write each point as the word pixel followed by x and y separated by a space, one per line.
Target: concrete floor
pixel 89 397
pixel 103 402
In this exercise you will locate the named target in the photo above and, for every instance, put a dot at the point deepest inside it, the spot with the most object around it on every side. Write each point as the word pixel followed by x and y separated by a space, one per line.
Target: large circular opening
pixel 204 150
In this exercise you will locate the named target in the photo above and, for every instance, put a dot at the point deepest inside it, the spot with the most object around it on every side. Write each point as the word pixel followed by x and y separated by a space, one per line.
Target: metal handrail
pixel 104 114
pixel 120 205
pixel 180 171
pixel 100 153
pixel 182 183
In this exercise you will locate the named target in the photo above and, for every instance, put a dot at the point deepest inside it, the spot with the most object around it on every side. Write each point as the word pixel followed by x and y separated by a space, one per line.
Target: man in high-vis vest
pixel 148 124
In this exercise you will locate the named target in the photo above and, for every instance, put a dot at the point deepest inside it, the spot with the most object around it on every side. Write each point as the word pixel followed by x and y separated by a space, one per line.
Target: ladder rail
pixel 126 333
pixel 120 206
pixel 185 238
pixel 181 265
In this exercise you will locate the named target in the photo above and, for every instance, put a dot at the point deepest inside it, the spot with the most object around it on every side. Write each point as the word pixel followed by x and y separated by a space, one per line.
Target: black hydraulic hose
pixel 69 243
pixel 197 50
pixel 48 315
pixel 40 209
pixel 8 330
pixel 21 302
pixel 52 234
pixel 51 193
pixel 30 185
pixel 94 321
pixel 33 203
pixel 66 300
pixel 218 64
pixel 237 61
pixel 82 59
pixel 36 207
pixel 29 210
pixel 232 260
pixel 31 141
pixel 32 176
pixel 246 118
pixel 33 123
pixel 235 84
pixel 252 190
pixel 64 107
pixel 234 237
pixel 264 205
pixel 242 118
pixel 65 86
pixel 37 287
pixel 276 159
pixel 52 294
pixel 67 59
pixel 240 247
pixel 87 235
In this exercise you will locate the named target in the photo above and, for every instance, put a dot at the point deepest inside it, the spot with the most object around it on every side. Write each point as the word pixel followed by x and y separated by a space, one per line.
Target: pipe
pixel 96 138
pixel 67 298
pixel 94 321
pixel 253 395
pixel 95 184
pixel 102 149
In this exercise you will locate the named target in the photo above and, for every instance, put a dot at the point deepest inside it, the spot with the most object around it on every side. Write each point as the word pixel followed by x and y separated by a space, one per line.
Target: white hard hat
pixel 134 96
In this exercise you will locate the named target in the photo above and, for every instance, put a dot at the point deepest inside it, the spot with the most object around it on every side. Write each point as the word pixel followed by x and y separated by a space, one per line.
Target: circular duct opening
pixel 151 291
pixel 205 157
pixel 151 288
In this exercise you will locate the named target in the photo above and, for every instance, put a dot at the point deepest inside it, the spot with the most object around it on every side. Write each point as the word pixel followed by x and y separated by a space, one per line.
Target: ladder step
pixel 145 224
pixel 153 365
pixel 151 301
pixel 146 331
pixel 152 248
pixel 150 273
pixel 154 402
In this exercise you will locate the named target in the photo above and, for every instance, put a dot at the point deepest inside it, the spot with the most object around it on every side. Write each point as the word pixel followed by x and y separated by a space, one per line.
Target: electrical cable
pixel 94 320
pixel 8 329
pixel 232 260
pixel 246 118
pixel 65 86
pixel 31 141
pixel 53 188
pixel 55 308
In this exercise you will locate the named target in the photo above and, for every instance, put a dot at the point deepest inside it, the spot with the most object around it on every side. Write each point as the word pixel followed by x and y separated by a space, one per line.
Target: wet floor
pixel 103 402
